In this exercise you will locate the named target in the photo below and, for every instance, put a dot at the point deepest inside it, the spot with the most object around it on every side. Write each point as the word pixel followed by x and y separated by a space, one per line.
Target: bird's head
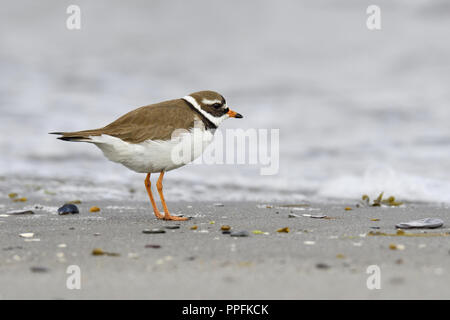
pixel 212 105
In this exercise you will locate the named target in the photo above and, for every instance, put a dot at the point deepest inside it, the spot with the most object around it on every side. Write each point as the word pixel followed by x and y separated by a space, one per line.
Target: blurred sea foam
pixel 359 111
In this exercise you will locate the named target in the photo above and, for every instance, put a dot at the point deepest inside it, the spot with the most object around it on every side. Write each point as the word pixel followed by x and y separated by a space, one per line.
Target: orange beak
pixel 234 114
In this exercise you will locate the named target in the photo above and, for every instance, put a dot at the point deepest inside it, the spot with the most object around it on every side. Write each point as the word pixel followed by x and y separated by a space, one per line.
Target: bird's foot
pixel 158 215
pixel 175 218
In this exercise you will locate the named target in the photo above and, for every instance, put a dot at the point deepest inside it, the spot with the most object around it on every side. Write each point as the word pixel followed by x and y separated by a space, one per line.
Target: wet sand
pixel 318 258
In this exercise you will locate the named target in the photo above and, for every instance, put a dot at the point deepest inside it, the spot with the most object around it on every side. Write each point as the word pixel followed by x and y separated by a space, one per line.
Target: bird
pixel 146 139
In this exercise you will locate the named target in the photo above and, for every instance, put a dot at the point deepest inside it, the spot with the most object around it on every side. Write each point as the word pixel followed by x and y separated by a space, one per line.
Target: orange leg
pixel 167 215
pixel 150 194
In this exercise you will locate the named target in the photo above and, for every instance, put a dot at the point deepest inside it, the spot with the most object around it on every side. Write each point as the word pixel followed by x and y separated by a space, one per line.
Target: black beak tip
pixel 238 115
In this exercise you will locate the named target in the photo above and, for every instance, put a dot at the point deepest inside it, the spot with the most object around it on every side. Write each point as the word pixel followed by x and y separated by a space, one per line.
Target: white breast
pixel 155 156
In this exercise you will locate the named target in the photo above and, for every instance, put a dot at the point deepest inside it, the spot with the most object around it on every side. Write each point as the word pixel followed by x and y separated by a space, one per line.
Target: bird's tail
pixel 78 136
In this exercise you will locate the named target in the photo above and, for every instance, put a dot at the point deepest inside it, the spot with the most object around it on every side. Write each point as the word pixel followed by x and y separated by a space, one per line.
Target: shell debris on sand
pixel 100 252
pixel 393 246
pixel 20 212
pixel 401 233
pixel 259 232
pixel 426 223
pixel 94 209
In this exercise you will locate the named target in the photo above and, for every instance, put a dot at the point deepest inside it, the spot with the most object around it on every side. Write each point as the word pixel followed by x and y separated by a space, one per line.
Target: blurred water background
pixel 359 111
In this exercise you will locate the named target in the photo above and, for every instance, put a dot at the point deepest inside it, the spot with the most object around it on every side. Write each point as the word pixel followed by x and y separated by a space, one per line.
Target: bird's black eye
pixel 216 105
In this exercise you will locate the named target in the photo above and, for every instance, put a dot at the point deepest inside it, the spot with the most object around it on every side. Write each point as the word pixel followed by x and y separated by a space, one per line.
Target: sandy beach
pixel 317 258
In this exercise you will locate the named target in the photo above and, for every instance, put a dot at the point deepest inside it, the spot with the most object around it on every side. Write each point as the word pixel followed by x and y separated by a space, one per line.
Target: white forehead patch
pixel 216 120
pixel 211 102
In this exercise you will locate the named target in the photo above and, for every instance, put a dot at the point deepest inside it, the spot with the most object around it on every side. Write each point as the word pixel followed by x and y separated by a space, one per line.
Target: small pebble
pixel 153 231
pixel 194 228
pixel 39 269
pixel 133 255
pixel 12 195
pixel 98 252
pixel 225 228
pixel 94 209
pixel 20 199
pixel 68 209
pixel 239 234
pixel 283 230
pixel 348 209
pixel 152 246
pixel 321 265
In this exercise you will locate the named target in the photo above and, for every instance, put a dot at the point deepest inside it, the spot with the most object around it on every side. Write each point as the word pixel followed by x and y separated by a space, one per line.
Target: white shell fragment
pixel 27 235
pixel 430 223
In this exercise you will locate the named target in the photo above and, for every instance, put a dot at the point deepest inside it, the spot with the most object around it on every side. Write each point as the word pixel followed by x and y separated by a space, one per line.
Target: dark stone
pixel 153 231
pixel 321 265
pixel 153 246
pixel 68 209
pixel 172 227
pixel 39 269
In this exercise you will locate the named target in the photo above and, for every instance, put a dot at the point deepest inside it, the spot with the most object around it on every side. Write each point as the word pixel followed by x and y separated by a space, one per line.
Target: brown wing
pixel 154 122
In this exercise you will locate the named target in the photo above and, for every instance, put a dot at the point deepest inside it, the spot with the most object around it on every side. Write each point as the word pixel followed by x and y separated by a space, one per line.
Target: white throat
pixel 216 120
